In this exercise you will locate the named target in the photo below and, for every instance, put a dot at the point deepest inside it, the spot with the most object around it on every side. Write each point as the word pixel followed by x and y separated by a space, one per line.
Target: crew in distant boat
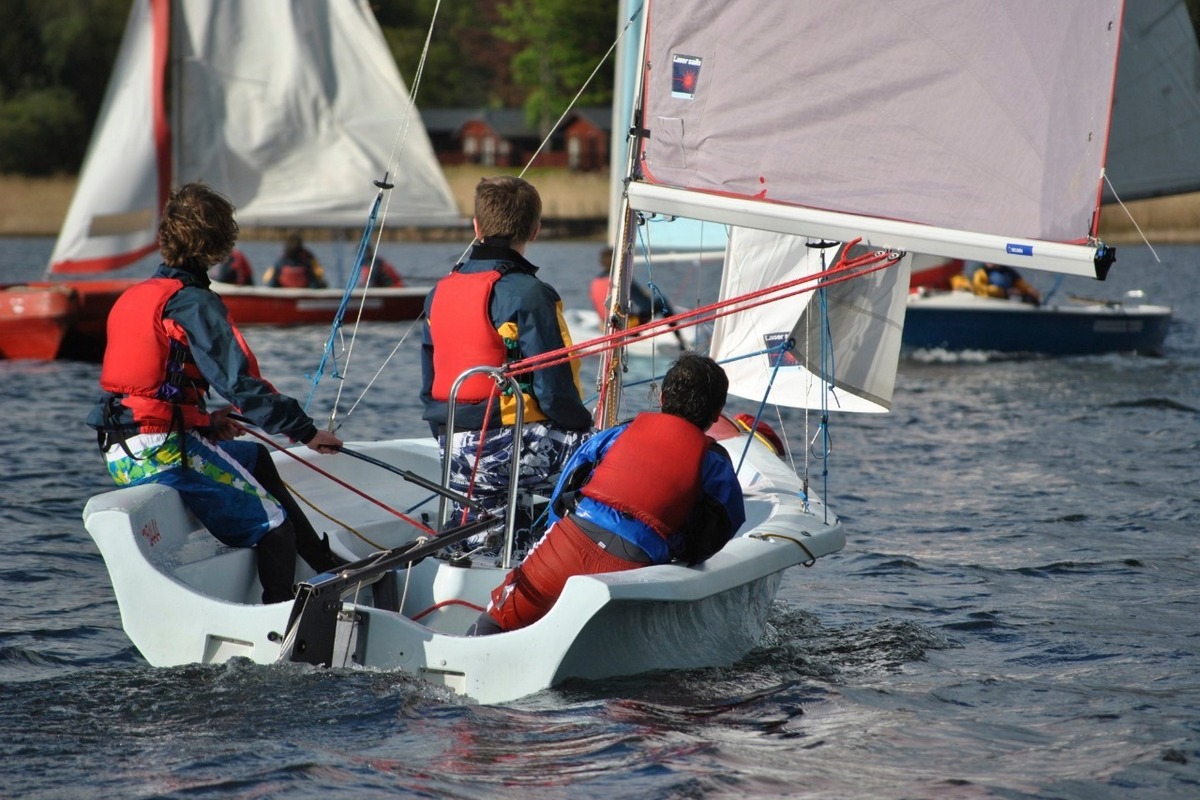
pixel 381 275
pixel 171 342
pixel 642 307
pixel 297 268
pixel 490 310
pixel 651 491
pixel 998 280
pixel 235 269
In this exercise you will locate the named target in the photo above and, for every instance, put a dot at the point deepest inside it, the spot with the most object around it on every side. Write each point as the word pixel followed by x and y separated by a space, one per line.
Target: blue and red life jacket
pixel 148 361
pixel 663 445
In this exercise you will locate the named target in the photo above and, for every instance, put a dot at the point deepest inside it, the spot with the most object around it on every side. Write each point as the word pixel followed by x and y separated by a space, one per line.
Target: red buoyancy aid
pixel 463 335
pixel 294 276
pixel 599 293
pixel 137 359
pixel 652 471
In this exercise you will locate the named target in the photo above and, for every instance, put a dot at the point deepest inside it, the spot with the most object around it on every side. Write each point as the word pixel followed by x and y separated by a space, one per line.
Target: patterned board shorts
pixel 217 485
pixel 544 451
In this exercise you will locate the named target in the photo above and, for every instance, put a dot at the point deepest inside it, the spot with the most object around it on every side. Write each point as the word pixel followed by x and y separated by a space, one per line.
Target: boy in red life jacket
pixel 171 342
pixel 492 309
pixel 651 491
pixel 297 268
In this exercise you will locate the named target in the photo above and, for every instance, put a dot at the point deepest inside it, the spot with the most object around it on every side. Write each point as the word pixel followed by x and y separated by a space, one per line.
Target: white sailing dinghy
pixel 727 107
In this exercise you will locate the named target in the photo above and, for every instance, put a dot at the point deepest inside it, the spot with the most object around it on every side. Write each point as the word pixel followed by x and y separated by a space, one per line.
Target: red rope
pixel 487 416
pixel 454 601
pixel 844 270
pixel 420 525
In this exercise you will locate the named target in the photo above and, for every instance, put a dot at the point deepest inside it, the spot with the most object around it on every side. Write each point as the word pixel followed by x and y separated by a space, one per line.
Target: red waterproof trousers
pixel 532 588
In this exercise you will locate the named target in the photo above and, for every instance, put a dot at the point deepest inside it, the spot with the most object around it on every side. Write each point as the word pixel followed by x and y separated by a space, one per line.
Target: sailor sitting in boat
pixel 377 272
pixel 170 342
pixel 296 268
pixel 235 269
pixel 642 307
pixel 651 491
pixel 490 310
pixel 997 280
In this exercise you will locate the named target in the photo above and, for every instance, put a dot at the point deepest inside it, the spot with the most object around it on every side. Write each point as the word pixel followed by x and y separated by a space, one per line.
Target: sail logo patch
pixel 685 75
pixel 779 350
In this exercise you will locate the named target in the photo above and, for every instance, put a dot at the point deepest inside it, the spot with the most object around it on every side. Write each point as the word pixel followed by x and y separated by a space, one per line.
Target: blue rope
pixel 827 373
pixel 351 283
pixel 780 349
pixel 1058 280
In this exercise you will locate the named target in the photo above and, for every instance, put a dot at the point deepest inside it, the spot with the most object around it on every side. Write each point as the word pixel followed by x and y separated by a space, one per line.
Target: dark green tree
pixel 561 42
pixel 55 58
pixel 467 65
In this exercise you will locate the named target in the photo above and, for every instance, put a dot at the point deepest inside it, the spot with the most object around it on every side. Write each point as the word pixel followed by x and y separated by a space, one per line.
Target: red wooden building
pixel 503 138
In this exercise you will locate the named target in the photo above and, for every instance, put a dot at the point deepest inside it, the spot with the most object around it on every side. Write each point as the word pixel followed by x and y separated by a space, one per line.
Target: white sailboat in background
pixel 901 147
pixel 292 108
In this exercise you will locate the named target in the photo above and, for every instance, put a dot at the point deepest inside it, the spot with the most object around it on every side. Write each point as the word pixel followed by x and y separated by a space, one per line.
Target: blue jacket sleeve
pixel 226 366
pixel 720 483
pixel 539 331
pixel 592 450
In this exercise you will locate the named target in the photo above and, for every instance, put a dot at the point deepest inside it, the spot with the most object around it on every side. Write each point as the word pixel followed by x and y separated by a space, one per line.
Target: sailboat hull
pixel 185 598
pixel 69 319
pixel 34 320
pixel 958 321
pixel 261 305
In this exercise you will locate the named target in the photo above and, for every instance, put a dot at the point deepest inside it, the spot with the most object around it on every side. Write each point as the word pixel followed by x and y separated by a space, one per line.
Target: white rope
pixel 1125 208
pixel 393 165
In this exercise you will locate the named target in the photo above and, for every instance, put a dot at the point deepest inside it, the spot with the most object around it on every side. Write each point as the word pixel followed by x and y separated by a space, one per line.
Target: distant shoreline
pixel 575 206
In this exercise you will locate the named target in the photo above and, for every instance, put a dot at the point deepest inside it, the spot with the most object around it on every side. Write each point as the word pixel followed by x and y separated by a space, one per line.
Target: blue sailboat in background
pixel 1151 153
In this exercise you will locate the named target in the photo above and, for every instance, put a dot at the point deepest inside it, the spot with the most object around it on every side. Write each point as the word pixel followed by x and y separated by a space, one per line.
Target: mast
pixel 617 318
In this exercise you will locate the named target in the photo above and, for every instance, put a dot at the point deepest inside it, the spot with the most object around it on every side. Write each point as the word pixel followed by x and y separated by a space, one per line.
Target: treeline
pixel 56 57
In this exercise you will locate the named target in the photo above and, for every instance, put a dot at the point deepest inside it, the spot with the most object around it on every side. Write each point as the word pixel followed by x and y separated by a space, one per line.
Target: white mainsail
pixel 963 130
pixel 291 108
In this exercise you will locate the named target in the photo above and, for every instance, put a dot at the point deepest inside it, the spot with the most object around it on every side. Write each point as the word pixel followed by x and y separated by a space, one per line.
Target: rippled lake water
pixel 1014 615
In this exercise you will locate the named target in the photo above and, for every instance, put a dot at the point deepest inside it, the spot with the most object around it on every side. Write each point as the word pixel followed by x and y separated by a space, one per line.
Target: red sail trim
pixel 106 264
pixel 161 11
